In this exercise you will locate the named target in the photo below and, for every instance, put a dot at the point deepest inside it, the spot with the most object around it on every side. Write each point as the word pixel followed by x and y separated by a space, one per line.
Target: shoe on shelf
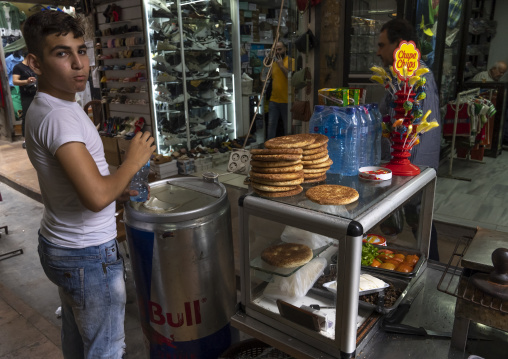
pixel 196 46
pixel 165 46
pixel 159 4
pixel 169 28
pixel 158 36
pixel 207 95
pixel 161 13
pixel 179 68
pixel 163 89
pixel 154 25
pixel 165 77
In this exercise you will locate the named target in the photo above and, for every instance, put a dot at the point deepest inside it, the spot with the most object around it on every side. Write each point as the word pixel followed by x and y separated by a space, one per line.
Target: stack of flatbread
pixel 280 168
pixel 315 160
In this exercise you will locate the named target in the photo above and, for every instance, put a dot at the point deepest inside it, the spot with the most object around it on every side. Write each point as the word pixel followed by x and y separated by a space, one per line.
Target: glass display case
pixel 192 72
pixel 365 19
pixel 452 65
pixel 278 305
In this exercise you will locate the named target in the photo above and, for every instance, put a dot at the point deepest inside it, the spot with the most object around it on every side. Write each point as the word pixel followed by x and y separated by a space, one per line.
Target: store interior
pixel 205 101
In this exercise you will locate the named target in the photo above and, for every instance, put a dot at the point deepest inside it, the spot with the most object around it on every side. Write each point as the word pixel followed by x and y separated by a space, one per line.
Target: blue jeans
pixel 276 110
pixel 91 286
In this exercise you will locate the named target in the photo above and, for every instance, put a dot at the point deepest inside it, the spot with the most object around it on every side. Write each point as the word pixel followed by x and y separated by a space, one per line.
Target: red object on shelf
pixel 400 164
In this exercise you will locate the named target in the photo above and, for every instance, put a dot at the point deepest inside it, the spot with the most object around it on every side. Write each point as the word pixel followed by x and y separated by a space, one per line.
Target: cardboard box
pixel 111 150
pixel 123 145
pixel 164 170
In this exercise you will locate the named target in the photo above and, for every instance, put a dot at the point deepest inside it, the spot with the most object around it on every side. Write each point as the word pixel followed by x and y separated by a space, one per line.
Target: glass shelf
pixel 260 265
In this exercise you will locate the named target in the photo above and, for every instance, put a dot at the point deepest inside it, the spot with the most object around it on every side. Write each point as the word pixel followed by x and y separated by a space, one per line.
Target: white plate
pixel 332 287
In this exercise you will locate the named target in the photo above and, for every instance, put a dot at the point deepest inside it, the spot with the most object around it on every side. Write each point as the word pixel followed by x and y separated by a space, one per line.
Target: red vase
pixel 400 164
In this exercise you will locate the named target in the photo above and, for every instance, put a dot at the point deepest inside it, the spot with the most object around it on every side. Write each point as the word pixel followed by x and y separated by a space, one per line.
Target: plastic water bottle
pixel 316 124
pixel 371 139
pixel 334 127
pixel 349 146
pixel 140 183
pixel 329 121
pixel 378 133
pixel 363 131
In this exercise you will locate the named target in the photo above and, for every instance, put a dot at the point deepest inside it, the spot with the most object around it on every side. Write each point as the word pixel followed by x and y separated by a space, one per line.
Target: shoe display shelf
pixel 121 58
pixel 194 102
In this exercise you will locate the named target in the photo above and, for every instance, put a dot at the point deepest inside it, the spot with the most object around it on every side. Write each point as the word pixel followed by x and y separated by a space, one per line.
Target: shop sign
pixel 406 59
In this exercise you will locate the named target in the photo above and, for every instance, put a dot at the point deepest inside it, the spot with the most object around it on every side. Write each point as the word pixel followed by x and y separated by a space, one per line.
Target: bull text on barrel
pixel 175 320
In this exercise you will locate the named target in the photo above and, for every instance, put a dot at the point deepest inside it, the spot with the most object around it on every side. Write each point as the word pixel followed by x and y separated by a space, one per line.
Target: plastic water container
pixel 363 131
pixel 378 133
pixel 348 142
pixel 140 183
pixel 371 138
pixel 333 128
pixel 316 124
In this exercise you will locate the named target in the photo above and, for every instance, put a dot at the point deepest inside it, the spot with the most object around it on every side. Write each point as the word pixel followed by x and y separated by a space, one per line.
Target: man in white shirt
pixel 494 74
pixel 77 237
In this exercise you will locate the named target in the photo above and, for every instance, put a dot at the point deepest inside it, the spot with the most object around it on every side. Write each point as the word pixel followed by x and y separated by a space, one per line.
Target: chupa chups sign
pixel 406 59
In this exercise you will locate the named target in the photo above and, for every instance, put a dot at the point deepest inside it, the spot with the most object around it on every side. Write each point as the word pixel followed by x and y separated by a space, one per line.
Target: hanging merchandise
pixel 10 16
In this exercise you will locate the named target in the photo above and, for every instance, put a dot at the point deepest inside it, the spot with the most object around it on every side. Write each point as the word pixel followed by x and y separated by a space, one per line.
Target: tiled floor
pixel 483 201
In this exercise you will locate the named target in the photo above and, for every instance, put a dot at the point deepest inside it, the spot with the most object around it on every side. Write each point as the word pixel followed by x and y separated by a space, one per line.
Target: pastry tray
pixel 393 273
pixel 258 264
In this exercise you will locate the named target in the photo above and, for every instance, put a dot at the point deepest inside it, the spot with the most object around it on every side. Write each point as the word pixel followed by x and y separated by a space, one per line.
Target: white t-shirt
pixel 50 123
pixel 482 77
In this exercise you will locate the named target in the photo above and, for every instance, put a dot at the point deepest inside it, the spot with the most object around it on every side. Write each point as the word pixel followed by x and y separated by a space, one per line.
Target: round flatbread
pixel 290 141
pixel 274 164
pixel 332 194
pixel 276 151
pixel 287 255
pixel 276 158
pixel 315 170
pixel 316 161
pixel 268 188
pixel 276 176
pixel 285 169
pixel 294 192
pixel 279 183
pixel 313 175
pixel 319 140
pixel 327 163
pixel 315 180
pixel 315 150
pixel 315 156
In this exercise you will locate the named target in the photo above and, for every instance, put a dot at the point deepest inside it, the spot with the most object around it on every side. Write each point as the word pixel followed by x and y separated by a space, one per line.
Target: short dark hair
pixel 397 29
pixel 44 23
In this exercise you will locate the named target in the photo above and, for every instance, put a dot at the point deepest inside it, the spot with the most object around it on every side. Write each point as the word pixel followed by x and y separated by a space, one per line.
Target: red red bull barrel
pixel 181 251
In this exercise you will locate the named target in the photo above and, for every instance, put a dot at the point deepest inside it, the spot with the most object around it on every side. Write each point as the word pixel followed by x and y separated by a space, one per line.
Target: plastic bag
pixel 298 284
pixel 300 236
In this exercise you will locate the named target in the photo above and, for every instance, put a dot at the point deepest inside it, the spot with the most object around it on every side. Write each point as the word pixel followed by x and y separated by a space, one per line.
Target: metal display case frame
pixel 347 228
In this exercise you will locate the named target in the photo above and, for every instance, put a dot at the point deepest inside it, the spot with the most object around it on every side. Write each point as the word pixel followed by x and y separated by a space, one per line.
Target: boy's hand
pixel 140 149
pixel 127 193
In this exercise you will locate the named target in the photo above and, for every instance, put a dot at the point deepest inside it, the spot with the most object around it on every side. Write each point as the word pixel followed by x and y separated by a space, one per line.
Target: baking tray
pixel 394 273
pixel 401 284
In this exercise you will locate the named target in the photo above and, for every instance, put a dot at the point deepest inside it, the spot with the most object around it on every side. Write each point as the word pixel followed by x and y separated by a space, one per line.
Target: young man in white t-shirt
pixel 77 237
